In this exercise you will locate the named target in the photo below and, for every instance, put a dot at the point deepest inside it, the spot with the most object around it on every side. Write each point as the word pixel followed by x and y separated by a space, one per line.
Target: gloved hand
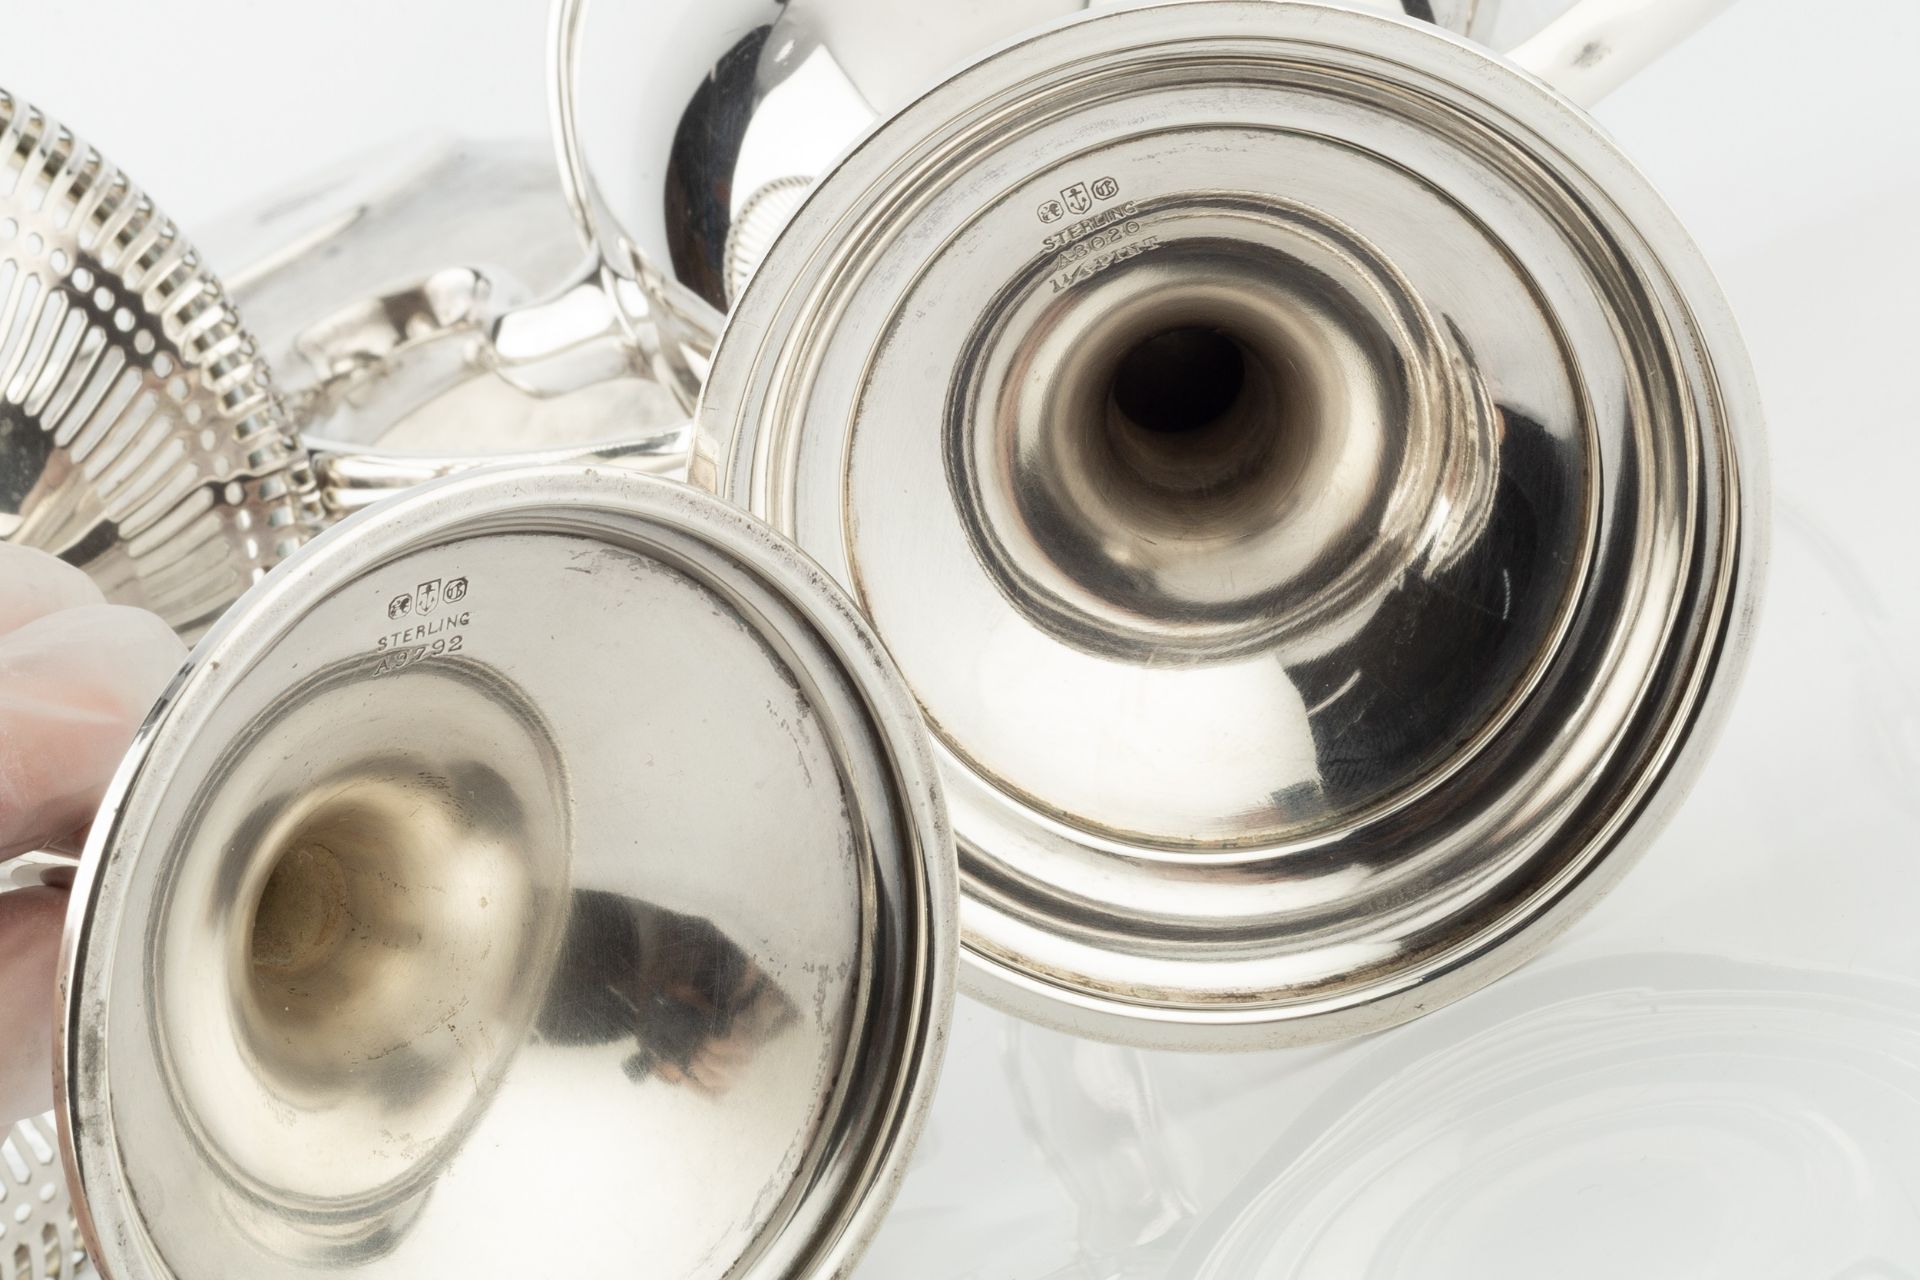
pixel 77 676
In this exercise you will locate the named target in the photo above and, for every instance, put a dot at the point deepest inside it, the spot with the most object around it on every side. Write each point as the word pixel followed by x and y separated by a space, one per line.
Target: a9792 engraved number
pixel 400 659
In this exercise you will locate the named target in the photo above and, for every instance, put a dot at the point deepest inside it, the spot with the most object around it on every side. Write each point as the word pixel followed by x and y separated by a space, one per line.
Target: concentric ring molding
pixel 1122 875
pixel 555 767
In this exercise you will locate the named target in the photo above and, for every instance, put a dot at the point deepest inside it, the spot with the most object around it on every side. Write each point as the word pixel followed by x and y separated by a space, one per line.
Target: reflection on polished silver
pixel 39 1239
pixel 140 436
pixel 1310 482
pixel 542 819
pixel 695 164
pixel 410 364
pixel 405 353
pixel 144 439
pixel 395 299
pixel 765 96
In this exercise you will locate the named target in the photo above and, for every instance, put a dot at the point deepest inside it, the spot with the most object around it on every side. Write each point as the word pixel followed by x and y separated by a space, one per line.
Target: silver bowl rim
pixel 732 452
pixel 111 1226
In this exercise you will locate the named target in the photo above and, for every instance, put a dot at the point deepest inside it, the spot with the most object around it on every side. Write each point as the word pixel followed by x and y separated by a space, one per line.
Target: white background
pixel 1717 1074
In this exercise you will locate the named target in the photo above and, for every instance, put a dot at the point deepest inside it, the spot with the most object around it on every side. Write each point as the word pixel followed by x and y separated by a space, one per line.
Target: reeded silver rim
pixel 152 447
pixel 1565 785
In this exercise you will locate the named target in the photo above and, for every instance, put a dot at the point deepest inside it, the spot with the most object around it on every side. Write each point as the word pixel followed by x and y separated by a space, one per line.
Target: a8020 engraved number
pixel 1091 244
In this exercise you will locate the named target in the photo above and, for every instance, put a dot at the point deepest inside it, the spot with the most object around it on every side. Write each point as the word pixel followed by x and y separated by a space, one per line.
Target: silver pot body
pixel 426 875
pixel 1318 599
pixel 405 351
pixel 1311 483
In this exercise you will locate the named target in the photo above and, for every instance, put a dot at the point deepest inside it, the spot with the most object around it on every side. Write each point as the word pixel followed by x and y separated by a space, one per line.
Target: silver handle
pixel 55 866
pixel 413 345
pixel 351 479
pixel 1598 45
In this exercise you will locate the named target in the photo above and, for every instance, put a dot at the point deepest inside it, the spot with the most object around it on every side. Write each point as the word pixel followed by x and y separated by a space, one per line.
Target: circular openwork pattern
pixel 1309 481
pixel 39 1239
pixel 140 435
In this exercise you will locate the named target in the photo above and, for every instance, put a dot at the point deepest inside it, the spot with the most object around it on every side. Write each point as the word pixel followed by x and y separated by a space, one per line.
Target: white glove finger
pixel 30 921
pixel 74 685
pixel 34 584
